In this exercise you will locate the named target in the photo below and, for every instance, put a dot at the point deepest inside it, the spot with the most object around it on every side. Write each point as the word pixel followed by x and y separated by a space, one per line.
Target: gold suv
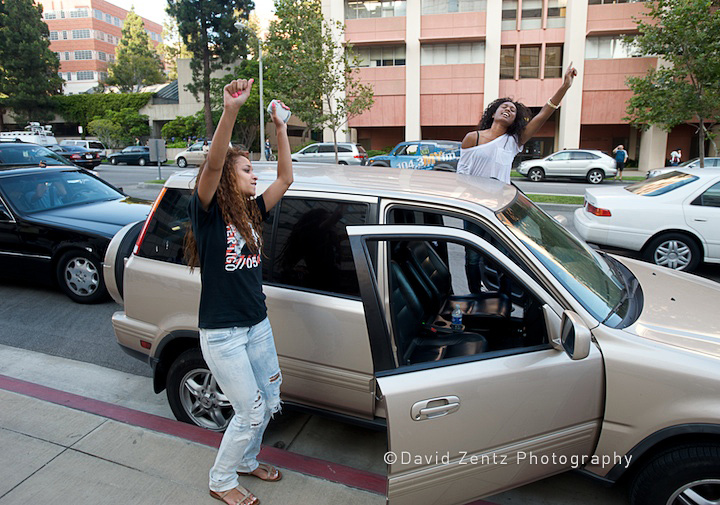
pixel 495 346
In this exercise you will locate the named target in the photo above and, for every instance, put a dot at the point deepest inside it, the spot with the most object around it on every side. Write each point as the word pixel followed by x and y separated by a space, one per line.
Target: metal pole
pixel 262 105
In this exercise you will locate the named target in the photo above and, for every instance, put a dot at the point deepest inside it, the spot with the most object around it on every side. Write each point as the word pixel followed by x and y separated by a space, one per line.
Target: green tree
pixel 28 68
pixel 109 133
pixel 183 127
pixel 137 63
pixel 207 29
pixel 133 123
pixel 81 109
pixel 686 85
pixel 315 72
pixel 172 47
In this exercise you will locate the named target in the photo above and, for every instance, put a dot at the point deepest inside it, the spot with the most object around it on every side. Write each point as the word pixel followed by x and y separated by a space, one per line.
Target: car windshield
pixel 592 280
pixel 28 154
pixel 661 184
pixel 38 192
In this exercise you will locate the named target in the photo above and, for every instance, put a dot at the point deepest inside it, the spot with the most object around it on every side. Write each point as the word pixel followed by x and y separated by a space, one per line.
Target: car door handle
pixel 700 220
pixel 434 407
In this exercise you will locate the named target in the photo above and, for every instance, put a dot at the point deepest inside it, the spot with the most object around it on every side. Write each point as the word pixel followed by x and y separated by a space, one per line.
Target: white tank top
pixel 492 159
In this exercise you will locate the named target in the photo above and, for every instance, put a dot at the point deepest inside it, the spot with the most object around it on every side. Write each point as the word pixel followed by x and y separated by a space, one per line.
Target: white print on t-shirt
pixel 234 258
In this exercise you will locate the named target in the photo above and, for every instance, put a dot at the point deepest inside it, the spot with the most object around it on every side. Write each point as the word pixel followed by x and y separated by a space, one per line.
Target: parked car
pixel 324 152
pixel 440 155
pixel 193 155
pixel 78 155
pixel 567 357
pixel 589 164
pixel 132 155
pixel 690 164
pixel 15 154
pixel 93 145
pixel 59 221
pixel 672 219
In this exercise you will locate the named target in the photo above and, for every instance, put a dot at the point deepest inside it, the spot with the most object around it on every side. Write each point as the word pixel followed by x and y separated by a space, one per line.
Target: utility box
pixel 157 150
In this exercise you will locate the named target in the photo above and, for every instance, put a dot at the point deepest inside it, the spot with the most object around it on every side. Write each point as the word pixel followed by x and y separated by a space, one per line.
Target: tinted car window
pixel 661 184
pixel 166 231
pixel 312 249
pixel 96 145
pixel 344 149
pixel 561 156
pixel 710 198
pixel 310 149
pixel 327 149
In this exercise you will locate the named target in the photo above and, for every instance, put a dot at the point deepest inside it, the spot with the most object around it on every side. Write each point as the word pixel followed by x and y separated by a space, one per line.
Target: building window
pixel 99 35
pixel 102 76
pixel 69 76
pixel 380 56
pixel 67 56
pixel 62 14
pixel 553 61
pixel 111 58
pixel 531 15
pixel 529 62
pixel 97 14
pixel 83 55
pixel 446 6
pixel 609 47
pixel 507 62
pixel 509 15
pixel 116 21
pixel 556 13
pixel 85 75
pixel 102 56
pixel 452 54
pixel 108 18
pixel 355 9
pixel 79 13
pixel 50 15
pixel 65 35
pixel 81 34
pixel 54 36
pixel 598 2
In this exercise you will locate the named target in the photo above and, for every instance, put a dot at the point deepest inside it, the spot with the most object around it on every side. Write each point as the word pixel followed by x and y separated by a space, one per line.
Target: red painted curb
pixel 322 469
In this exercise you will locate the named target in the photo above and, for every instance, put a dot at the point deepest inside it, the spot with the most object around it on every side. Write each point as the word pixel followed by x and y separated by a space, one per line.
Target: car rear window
pixel 661 184
pixel 361 149
pixel 166 231
pixel 96 145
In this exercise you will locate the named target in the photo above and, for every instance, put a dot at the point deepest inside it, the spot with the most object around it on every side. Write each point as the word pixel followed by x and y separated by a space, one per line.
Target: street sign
pixel 157 150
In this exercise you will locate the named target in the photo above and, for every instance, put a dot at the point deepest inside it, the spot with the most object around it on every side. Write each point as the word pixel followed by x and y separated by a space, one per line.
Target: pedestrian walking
pixel 268 151
pixel 225 240
pixel 621 157
pixel 504 129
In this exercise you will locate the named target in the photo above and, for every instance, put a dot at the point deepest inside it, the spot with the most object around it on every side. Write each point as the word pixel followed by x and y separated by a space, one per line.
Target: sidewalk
pixel 61 447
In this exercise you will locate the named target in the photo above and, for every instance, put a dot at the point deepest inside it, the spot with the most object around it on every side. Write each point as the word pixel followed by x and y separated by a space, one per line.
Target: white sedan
pixel 673 219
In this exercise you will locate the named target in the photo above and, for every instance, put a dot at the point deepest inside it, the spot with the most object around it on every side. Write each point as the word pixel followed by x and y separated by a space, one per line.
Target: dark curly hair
pixel 522 117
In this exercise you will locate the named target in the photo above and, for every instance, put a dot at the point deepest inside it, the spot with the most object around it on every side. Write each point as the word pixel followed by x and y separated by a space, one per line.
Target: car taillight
pixel 360 156
pixel 141 237
pixel 75 156
pixel 597 211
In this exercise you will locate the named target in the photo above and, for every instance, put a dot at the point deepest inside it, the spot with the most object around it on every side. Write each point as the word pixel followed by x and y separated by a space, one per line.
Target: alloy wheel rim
pixel 699 492
pixel 535 176
pixel 204 401
pixel 673 254
pixel 595 177
pixel 81 276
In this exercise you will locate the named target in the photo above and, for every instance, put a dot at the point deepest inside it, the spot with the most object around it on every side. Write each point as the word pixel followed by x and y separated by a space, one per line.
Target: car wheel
pixel 342 162
pixel 595 176
pixel 293 160
pixel 673 250
pixel 193 394
pixel 142 162
pixel 685 475
pixel 380 164
pixel 79 274
pixel 536 174
pixel 181 162
pixel 113 161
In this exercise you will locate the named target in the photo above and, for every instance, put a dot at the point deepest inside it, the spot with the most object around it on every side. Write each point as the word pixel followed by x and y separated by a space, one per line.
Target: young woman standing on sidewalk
pixel 235 335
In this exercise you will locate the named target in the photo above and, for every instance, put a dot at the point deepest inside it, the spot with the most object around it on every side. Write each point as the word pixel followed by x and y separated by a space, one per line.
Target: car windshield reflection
pixel 39 192
pixel 661 184
pixel 28 154
pixel 582 271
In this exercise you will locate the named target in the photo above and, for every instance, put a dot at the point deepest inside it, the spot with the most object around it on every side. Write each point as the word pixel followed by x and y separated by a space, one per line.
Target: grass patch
pixel 156 181
pixel 515 173
pixel 633 178
pixel 565 199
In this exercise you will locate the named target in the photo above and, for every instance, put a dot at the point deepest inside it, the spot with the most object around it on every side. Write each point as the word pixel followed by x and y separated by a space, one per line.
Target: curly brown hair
pixel 237 209
pixel 523 116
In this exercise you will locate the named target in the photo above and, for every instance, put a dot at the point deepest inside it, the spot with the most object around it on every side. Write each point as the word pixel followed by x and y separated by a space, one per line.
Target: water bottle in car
pixel 456 323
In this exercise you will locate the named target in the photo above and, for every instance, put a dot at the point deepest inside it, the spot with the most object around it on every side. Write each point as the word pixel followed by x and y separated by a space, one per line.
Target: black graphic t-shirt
pixel 231 274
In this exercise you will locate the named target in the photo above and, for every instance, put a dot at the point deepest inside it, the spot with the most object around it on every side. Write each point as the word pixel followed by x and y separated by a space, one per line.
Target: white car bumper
pixel 593 229
pixel 588 229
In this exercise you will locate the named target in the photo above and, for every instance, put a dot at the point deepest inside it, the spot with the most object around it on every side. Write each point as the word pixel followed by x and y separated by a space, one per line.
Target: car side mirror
pixel 575 336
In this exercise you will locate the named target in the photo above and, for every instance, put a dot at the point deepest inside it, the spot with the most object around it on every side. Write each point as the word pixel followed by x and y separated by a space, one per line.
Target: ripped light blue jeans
pixel 245 364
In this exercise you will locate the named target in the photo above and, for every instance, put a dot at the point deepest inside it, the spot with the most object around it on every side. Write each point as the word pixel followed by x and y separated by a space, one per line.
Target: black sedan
pixel 132 155
pixel 86 158
pixel 59 221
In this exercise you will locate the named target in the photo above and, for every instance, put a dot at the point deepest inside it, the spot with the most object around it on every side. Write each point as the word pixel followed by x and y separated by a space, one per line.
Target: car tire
pixel 142 162
pixel 194 396
pixel 113 161
pixel 536 174
pixel 181 162
pixel 342 162
pixel 680 475
pixel 380 164
pixel 673 250
pixel 80 276
pixel 595 176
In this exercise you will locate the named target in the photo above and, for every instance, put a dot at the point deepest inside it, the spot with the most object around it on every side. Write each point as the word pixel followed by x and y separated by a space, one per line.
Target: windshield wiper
pixel 628 292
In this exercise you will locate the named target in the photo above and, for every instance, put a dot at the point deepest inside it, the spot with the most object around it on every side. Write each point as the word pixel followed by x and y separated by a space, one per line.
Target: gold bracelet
pixel 549 102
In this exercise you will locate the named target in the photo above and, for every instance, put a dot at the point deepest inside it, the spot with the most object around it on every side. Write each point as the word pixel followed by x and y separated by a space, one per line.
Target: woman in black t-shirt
pixel 225 240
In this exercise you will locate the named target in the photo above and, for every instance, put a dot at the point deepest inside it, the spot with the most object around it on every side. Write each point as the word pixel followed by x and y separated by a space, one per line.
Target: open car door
pixel 509 409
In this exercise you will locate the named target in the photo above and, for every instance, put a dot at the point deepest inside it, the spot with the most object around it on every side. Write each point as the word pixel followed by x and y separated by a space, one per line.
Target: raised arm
pixel 277 189
pixel 235 94
pixel 536 123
